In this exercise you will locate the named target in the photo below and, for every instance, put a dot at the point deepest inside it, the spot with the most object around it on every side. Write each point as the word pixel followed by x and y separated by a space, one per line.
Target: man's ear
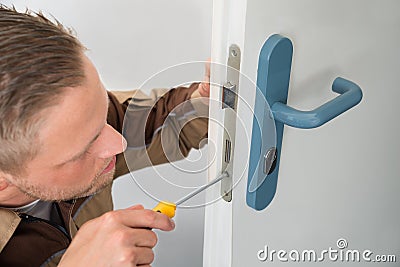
pixel 3 181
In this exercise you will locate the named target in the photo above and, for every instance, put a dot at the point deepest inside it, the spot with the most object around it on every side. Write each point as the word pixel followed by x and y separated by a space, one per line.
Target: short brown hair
pixel 39 58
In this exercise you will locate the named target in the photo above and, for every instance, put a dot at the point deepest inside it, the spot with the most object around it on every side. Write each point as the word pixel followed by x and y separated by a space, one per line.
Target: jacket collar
pixel 9 221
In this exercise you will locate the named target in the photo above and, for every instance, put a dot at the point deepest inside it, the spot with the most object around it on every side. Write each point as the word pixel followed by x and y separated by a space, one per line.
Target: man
pixel 61 148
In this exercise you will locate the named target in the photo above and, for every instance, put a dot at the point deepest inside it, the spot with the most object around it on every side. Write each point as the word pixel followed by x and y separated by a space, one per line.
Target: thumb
pixel 208 63
pixel 136 207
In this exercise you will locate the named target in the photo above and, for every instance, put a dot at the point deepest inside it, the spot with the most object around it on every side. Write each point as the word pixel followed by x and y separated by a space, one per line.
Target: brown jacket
pixel 30 241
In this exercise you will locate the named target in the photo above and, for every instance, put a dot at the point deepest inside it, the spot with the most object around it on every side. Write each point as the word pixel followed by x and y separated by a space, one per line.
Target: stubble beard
pixel 50 193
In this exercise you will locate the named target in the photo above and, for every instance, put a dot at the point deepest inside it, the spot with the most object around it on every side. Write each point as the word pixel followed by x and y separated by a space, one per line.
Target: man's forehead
pixel 77 118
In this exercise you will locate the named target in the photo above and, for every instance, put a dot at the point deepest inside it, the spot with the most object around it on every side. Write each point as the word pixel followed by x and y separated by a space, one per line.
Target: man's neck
pixel 12 197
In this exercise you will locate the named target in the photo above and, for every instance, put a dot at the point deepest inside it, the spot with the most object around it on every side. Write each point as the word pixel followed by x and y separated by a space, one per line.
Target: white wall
pixel 129 41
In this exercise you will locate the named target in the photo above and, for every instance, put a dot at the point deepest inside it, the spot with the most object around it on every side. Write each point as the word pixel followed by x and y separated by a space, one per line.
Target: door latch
pixel 229 108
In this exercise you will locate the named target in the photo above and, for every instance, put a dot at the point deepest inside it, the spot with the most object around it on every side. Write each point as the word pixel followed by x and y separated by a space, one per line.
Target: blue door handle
pixel 271 114
pixel 350 95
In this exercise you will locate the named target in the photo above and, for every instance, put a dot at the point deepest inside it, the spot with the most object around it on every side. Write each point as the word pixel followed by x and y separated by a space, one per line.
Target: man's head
pixel 55 142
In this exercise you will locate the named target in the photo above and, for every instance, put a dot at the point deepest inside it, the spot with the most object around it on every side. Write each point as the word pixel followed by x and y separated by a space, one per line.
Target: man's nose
pixel 110 142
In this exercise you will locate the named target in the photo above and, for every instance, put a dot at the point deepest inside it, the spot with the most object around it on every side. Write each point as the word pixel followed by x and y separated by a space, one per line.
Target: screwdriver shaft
pixel 201 188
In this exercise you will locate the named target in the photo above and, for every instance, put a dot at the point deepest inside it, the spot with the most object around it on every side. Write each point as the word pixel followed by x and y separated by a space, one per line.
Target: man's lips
pixel 110 166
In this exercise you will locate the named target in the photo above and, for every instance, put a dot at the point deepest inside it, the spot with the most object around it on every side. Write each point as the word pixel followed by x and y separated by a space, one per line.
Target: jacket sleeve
pixel 159 128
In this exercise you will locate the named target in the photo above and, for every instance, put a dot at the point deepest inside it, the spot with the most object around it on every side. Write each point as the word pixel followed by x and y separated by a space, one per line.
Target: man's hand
pixel 204 87
pixel 117 238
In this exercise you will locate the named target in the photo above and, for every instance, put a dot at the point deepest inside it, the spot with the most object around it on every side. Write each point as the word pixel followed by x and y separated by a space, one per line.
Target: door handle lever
pixel 350 95
pixel 271 114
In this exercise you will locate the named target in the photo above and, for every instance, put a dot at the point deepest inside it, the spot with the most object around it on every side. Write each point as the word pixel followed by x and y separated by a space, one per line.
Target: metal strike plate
pixel 229 107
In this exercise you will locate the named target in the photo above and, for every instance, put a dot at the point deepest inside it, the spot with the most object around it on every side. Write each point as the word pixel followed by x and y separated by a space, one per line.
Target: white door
pixel 338 186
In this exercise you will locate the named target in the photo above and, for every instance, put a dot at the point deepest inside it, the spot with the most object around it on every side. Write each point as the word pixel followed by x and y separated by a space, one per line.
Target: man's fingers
pixel 204 87
pixel 207 66
pixel 146 256
pixel 142 219
pixel 142 237
pixel 136 207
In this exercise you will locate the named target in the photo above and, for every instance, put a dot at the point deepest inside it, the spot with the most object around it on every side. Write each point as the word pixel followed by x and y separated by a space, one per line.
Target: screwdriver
pixel 168 208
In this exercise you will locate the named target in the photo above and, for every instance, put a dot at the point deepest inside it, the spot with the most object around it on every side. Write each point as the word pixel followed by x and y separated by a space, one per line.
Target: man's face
pixel 77 146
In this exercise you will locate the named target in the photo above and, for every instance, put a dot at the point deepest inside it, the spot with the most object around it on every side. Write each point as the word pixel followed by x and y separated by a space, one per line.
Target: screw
pixel 234 53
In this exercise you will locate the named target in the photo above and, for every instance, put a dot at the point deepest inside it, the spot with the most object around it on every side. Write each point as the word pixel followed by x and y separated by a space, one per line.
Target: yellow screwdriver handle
pixel 166 208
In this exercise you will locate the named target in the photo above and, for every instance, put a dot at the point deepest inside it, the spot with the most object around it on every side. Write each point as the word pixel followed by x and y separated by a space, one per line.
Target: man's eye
pixel 87 152
pixel 83 155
